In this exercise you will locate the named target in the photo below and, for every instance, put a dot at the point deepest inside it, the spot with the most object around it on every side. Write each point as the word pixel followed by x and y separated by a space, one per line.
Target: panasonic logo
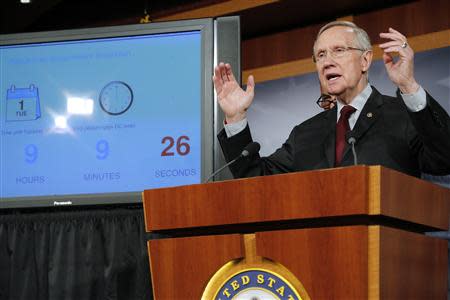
pixel 57 203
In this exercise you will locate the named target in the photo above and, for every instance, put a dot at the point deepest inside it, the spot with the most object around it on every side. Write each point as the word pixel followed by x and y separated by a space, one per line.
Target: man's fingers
pixel 397 32
pixel 393 49
pixel 217 84
pixel 392 36
pixel 387 59
pixel 217 80
pixel 397 39
pixel 390 44
pixel 402 52
pixel 229 72
pixel 223 72
pixel 250 84
pixel 217 73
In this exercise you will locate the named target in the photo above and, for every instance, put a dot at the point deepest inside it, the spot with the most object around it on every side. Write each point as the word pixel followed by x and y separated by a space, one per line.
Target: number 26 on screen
pixel 182 147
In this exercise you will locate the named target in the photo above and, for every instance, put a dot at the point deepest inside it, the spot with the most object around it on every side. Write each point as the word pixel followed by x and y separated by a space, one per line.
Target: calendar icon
pixel 22 104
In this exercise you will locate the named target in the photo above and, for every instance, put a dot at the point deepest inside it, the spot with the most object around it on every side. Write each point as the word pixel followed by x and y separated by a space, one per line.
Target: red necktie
pixel 342 127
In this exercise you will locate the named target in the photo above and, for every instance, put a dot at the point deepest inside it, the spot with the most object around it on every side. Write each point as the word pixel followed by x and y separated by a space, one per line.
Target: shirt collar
pixel 359 101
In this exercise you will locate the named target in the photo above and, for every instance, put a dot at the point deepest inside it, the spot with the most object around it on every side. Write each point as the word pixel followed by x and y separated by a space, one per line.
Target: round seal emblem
pixel 256 280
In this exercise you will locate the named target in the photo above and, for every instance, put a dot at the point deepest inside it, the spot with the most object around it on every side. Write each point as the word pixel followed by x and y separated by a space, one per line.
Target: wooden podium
pixel 345 233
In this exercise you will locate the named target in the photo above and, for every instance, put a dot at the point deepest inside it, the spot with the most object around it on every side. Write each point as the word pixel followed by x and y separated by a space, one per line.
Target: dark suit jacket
pixel 386 133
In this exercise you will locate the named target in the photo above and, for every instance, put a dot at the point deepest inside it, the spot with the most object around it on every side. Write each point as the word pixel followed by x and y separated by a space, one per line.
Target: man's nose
pixel 328 60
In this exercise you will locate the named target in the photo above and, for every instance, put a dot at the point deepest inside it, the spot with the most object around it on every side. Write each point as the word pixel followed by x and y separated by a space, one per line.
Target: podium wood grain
pixel 359 190
pixel 182 267
pixel 348 262
pixel 332 261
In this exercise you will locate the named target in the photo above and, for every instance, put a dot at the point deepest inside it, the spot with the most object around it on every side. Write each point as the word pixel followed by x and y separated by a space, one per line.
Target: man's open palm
pixel 233 100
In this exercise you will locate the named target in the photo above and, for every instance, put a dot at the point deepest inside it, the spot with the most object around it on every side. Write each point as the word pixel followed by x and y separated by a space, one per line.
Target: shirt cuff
pixel 417 101
pixel 235 128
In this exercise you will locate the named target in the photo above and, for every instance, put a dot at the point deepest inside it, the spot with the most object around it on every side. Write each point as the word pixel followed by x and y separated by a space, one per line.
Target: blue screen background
pixel 100 152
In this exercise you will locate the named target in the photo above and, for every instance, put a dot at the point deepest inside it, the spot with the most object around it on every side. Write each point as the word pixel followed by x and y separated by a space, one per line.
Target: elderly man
pixel 409 133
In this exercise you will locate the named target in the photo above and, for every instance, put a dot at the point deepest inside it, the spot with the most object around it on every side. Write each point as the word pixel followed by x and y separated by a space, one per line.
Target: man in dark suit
pixel 409 133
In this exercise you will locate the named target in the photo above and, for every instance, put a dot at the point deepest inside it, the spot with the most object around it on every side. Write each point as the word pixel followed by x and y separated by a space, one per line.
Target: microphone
pixel 249 150
pixel 352 141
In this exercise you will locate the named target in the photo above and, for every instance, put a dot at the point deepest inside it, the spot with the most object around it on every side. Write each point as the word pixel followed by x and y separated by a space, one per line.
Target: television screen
pixel 98 115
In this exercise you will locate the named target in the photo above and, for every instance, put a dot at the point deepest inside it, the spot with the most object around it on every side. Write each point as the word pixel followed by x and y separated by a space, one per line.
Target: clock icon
pixel 116 98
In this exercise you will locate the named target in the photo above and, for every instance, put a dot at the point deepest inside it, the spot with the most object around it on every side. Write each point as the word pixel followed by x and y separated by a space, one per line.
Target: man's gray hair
pixel 362 39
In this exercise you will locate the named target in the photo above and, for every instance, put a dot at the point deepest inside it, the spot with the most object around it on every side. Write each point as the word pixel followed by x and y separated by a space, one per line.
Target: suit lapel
pixel 330 140
pixel 369 115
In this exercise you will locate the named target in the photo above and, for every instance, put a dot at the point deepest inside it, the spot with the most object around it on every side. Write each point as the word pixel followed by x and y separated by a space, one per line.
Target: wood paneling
pixel 266 198
pixel 182 267
pixel 287 69
pixel 268 53
pixel 373 268
pixel 412 199
pixel 346 262
pixel 412 19
pixel 359 262
pixel 358 190
pixel 216 10
pixel 331 263
pixel 412 266
pixel 279 48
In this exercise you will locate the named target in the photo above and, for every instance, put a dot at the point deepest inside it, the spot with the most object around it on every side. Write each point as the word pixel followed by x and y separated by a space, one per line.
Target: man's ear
pixel 366 60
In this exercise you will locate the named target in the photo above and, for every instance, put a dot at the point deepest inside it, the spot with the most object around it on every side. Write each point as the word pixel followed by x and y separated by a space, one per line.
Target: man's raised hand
pixel 401 72
pixel 233 100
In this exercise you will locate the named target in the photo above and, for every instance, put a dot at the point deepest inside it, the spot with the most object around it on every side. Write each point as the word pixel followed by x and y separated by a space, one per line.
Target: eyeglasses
pixel 334 53
pixel 325 101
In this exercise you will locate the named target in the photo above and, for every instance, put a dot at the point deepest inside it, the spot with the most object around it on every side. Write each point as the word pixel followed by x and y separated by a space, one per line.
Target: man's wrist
pixel 234 128
pixel 234 119
pixel 410 88
pixel 417 101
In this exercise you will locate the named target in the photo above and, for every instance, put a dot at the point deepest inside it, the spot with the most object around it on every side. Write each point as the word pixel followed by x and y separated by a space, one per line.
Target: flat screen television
pixel 96 116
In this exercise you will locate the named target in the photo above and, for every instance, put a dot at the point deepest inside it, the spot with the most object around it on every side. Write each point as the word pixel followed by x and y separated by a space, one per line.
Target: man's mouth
pixel 332 76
